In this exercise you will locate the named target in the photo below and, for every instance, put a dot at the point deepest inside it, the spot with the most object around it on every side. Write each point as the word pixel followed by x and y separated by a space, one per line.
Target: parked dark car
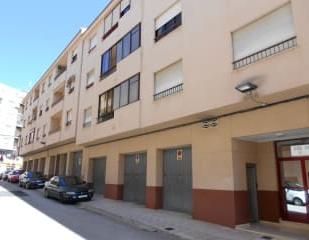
pixel 13 176
pixel 5 175
pixel 30 179
pixel 68 189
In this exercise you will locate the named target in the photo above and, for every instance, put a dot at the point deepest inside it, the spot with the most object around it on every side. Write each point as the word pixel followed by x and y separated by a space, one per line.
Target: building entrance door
pixel 294 184
pixel 252 192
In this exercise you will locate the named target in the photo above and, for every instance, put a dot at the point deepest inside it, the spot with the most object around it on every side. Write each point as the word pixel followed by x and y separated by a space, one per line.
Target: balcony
pixel 60 71
pixel 55 123
pixel 58 95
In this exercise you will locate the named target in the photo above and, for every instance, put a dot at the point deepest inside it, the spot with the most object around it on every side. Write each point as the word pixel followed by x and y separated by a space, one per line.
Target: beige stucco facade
pixel 244 132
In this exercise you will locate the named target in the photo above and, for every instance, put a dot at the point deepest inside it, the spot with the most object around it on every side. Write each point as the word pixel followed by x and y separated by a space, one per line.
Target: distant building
pixel 10 125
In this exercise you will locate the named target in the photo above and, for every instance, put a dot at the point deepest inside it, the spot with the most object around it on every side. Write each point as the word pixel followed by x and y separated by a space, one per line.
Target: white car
pixel 296 195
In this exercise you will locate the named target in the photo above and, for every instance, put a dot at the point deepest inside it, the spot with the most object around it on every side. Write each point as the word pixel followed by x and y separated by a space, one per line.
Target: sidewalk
pixel 177 224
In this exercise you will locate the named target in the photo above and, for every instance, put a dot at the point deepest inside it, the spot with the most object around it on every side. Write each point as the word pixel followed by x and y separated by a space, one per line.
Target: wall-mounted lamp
pixel 246 87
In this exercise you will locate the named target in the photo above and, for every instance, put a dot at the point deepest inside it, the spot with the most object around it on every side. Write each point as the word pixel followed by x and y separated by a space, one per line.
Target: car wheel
pixel 19 184
pixel 46 195
pixel 298 202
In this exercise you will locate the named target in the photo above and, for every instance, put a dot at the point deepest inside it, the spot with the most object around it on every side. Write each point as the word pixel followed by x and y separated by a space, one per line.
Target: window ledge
pixel 89 85
pixel 168 92
pixel 92 49
pixel 265 53
pixel 87 125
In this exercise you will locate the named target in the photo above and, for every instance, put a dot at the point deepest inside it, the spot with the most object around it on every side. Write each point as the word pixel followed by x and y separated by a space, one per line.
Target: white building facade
pixel 10 124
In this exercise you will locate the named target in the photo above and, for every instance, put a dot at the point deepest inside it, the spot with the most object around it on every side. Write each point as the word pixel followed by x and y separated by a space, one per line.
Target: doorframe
pixel 283 210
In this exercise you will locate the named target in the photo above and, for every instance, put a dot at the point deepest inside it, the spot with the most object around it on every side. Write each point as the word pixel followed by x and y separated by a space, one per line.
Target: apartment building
pixel 10 125
pixel 192 106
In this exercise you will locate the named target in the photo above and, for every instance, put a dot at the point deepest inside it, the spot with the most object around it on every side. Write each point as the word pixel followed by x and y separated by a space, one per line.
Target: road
pixel 26 214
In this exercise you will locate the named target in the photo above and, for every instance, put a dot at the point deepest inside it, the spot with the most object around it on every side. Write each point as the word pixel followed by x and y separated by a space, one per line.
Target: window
pixel 74 55
pixel 41 110
pixel 169 80
pixel 38 134
pixel 126 93
pixel 90 79
pixel 168 21
pixel 106 111
pixel 108 62
pixel 44 131
pixel 134 89
pixel 264 37
pixel 112 19
pixel 49 81
pixel 71 84
pixel 87 117
pixel 92 43
pixel 47 105
pixel 68 118
pixel 129 43
pixel 124 7
pixel 43 87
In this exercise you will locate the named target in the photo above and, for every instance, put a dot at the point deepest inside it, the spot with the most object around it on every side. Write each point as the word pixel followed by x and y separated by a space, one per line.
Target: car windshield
pixel 35 174
pixel 71 181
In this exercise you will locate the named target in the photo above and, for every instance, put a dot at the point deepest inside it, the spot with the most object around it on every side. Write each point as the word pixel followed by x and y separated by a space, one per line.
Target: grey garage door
pixel 177 179
pixel 99 170
pixel 135 178
pixel 77 163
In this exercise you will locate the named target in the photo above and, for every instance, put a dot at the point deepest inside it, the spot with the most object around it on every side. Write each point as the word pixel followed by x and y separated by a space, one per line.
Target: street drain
pixel 266 237
pixel 169 229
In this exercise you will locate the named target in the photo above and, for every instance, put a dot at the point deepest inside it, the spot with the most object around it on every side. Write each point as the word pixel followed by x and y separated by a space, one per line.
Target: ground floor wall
pixel 220 155
pixel 219 158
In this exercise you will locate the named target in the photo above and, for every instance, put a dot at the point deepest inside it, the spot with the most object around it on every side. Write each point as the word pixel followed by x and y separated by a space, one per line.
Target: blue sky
pixel 34 32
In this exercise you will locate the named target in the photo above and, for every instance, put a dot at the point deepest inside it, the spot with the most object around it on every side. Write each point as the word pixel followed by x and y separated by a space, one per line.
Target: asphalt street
pixel 26 214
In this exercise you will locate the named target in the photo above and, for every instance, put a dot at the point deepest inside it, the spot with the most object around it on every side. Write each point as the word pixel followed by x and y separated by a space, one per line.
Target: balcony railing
pixel 267 52
pixel 168 92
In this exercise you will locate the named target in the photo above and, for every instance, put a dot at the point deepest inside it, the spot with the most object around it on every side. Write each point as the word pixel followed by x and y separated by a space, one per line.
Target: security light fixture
pixel 246 87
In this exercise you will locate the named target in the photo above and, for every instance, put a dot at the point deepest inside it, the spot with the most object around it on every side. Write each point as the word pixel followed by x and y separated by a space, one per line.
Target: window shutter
pixel 116 14
pixel 108 23
pixel 274 28
pixel 168 15
pixel 169 77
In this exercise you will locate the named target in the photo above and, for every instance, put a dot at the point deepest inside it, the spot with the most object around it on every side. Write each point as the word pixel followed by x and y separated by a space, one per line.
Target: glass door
pixel 294 185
